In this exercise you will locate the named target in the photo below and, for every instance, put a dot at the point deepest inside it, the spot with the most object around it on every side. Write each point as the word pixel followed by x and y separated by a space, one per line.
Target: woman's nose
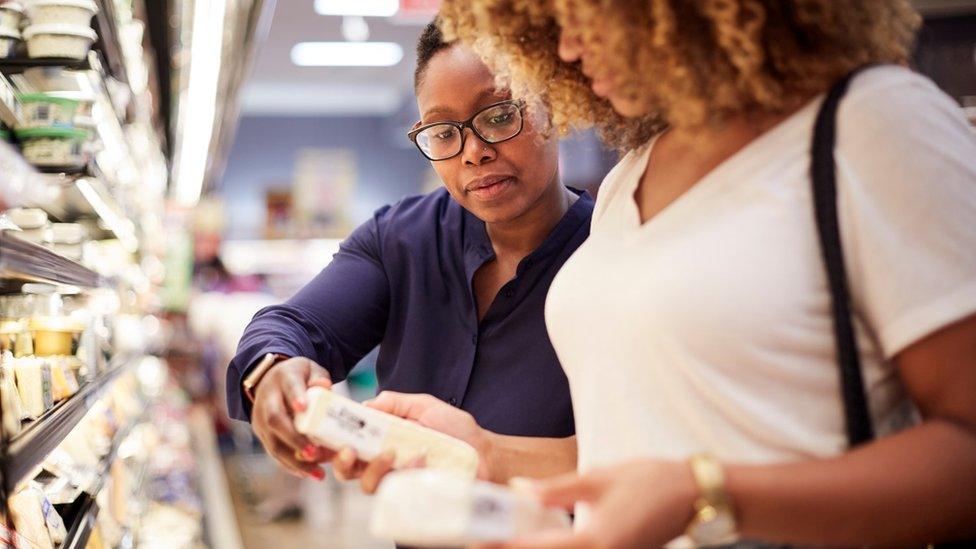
pixel 570 47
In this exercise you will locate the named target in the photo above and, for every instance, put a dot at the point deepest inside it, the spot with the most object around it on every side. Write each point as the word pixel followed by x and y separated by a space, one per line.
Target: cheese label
pixel 345 426
pixel 492 517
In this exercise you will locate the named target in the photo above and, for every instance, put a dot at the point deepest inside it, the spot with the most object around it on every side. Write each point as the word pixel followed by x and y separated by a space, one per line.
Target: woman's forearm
pixel 510 456
pixel 919 485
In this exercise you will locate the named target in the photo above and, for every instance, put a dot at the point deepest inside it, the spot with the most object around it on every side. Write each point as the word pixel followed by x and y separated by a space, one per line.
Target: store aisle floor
pixel 336 516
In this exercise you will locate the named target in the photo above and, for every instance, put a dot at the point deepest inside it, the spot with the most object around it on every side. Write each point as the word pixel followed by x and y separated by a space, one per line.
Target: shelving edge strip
pixel 27 450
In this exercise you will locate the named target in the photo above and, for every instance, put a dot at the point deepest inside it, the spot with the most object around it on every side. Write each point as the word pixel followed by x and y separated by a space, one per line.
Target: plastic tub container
pixel 69 239
pixel 10 15
pixel 42 110
pixel 54 336
pixel 9 40
pixel 54 147
pixel 61 12
pixel 59 41
pixel 33 223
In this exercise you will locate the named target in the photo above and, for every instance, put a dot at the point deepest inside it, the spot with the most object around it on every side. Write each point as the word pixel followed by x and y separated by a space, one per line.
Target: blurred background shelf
pixel 22 262
pixel 28 449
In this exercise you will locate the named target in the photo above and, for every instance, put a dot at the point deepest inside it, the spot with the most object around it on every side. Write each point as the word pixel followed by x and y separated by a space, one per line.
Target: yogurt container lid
pixel 6 32
pixel 56 133
pixel 85 4
pixel 27 218
pixel 60 28
pixel 68 233
pixel 46 98
pixel 12 6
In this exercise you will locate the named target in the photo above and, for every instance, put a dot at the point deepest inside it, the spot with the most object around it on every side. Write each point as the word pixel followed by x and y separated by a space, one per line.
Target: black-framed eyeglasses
pixel 493 124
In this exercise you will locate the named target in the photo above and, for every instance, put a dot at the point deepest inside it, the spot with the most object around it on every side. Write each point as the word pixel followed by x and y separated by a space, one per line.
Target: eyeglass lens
pixel 493 125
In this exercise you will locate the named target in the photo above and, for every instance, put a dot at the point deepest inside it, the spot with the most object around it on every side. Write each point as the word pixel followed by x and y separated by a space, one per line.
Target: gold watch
pixel 714 521
pixel 253 378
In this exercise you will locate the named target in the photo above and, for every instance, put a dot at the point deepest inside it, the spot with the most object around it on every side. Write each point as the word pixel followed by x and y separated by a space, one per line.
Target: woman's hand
pixel 643 503
pixel 425 410
pixel 279 396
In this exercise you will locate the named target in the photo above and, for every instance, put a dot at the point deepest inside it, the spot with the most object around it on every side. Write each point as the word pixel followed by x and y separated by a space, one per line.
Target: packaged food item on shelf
pixel 59 41
pixel 335 421
pixel 58 490
pixel 55 335
pixel 55 525
pixel 34 385
pixel 10 15
pixel 427 508
pixel 54 147
pixel 42 110
pixel 64 383
pixel 68 239
pixel 66 12
pixel 27 513
pixel 33 222
pixel 12 411
pixel 9 42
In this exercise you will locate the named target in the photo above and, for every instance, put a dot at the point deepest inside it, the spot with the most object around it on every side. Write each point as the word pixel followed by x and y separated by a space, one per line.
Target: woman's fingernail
pixel 300 404
pixel 318 474
pixel 309 451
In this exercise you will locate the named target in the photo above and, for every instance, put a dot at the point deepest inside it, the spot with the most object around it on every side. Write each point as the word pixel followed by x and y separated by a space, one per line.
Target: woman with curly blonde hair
pixel 698 326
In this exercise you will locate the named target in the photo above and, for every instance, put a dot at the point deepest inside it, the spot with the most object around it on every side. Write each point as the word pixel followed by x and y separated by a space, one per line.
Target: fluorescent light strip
pixel 363 8
pixel 199 108
pixel 346 54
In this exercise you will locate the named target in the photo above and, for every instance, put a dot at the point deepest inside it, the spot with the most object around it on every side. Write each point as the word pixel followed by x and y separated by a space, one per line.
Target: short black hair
pixel 431 41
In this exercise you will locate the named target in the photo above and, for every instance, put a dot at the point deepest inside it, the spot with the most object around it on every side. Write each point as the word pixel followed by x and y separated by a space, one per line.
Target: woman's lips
pixel 492 190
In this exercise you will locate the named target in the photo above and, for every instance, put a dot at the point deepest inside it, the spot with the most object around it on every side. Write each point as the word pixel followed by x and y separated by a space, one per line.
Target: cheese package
pixel 425 508
pixel 28 518
pixel 335 422
pixel 34 385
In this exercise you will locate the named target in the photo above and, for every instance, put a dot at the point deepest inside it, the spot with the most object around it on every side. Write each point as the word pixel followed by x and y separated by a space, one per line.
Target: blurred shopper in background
pixel 695 325
pixel 450 285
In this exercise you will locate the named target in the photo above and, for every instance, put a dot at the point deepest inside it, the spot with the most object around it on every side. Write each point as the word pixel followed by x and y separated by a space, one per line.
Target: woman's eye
pixel 501 119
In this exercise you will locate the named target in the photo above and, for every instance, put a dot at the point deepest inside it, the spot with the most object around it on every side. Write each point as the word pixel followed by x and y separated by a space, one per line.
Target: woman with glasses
pixel 450 285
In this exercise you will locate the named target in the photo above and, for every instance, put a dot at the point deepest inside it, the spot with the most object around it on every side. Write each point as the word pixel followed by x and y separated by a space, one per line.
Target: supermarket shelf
pixel 19 64
pixel 86 509
pixel 24 261
pixel 81 529
pixel 106 24
pixel 29 448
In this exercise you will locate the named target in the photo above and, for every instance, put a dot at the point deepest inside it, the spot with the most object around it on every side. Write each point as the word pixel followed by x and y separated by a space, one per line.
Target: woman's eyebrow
pixel 449 113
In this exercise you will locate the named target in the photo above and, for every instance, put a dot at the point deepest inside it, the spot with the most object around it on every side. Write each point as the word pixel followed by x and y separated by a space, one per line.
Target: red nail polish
pixel 318 474
pixel 308 451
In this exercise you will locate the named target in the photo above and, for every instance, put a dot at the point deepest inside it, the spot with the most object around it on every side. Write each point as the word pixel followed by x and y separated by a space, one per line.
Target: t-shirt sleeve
pixel 907 204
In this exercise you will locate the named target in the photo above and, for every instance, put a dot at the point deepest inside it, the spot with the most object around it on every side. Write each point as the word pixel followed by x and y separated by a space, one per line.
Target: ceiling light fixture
pixel 198 107
pixel 346 54
pixel 363 8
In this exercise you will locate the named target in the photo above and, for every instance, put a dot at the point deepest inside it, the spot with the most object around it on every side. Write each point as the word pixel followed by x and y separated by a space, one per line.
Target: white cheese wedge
pixel 34 385
pixel 426 508
pixel 335 422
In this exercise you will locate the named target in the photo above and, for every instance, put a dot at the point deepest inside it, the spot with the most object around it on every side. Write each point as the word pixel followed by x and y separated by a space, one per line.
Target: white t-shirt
pixel 708 328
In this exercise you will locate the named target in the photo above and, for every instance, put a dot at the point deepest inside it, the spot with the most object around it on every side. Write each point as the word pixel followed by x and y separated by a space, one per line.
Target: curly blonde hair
pixel 688 63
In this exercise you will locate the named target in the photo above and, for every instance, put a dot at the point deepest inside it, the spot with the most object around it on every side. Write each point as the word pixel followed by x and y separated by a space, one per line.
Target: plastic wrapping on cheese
pixel 34 385
pixel 335 422
pixel 28 518
pixel 426 508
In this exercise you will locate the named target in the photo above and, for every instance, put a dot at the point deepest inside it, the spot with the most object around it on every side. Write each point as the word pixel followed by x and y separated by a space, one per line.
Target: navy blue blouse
pixel 403 280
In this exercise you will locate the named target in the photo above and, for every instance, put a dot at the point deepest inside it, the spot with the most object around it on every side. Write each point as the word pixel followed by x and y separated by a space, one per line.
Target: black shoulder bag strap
pixel 823 175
